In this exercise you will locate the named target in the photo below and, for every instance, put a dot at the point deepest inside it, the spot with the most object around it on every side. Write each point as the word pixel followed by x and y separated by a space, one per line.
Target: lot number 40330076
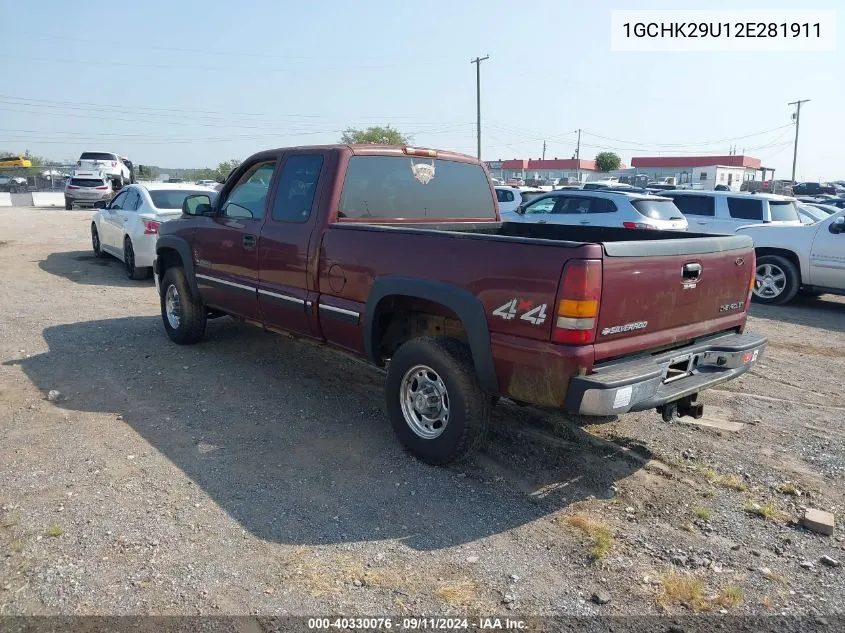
pixel 530 313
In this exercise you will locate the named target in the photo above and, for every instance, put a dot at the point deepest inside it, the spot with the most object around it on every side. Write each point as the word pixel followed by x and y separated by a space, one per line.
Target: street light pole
pixel 477 61
pixel 797 105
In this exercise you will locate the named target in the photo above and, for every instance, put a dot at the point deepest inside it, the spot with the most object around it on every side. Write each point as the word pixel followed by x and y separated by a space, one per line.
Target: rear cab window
pixel 403 187
pixel 97 156
pixel 783 211
pixel 657 209
pixel 746 208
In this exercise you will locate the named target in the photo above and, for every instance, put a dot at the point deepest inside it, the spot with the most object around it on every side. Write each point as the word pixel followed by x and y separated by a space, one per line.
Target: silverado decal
pixel 731 306
pixel 534 315
pixel 628 327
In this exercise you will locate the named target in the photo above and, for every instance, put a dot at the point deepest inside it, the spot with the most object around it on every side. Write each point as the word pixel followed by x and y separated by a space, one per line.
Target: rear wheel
pixel 118 183
pixel 95 241
pixel 132 271
pixel 776 280
pixel 434 402
pixel 184 315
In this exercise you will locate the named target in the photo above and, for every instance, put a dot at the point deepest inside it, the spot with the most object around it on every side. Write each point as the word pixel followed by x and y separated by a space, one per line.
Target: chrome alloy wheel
pixel 425 402
pixel 769 281
pixel 173 307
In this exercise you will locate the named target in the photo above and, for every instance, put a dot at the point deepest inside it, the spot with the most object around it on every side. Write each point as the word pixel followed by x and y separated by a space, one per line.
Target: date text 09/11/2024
pixel 417 624
pixel 722 29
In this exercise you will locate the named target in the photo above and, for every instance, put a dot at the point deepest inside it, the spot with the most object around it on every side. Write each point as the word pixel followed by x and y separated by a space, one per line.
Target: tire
pixel 777 280
pixel 68 204
pixel 441 367
pixel 133 272
pixel 189 326
pixel 95 242
pixel 118 183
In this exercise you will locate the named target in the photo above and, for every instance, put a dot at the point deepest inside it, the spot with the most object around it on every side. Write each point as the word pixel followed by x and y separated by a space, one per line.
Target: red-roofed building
pixel 538 169
pixel 703 171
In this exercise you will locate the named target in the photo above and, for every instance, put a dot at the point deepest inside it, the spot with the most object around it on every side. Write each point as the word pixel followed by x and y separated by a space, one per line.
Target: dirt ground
pixel 255 474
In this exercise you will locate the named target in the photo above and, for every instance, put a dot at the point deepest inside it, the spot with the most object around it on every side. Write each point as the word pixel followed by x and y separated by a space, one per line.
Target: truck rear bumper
pixel 647 383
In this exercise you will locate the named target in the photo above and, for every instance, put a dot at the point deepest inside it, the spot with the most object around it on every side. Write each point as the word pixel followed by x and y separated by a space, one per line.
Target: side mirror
pixel 100 204
pixel 220 180
pixel 197 204
pixel 838 226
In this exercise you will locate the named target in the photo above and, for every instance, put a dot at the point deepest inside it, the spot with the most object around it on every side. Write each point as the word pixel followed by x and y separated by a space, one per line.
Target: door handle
pixel 583 222
pixel 249 240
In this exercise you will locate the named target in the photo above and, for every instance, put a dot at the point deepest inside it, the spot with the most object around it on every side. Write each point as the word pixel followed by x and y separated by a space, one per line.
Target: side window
pixel 503 195
pixel 297 187
pixel 543 205
pixel 133 200
pixel 602 205
pixel 118 202
pixel 248 197
pixel 746 208
pixel 695 205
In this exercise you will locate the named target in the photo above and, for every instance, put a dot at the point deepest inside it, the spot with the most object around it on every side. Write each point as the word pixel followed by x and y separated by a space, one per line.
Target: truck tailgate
pixel 659 293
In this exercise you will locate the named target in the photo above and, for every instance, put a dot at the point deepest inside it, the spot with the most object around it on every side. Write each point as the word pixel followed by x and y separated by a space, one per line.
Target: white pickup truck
pixel 809 258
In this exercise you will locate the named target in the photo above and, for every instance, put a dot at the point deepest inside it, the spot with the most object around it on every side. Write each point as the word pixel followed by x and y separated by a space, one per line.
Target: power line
pixel 714 142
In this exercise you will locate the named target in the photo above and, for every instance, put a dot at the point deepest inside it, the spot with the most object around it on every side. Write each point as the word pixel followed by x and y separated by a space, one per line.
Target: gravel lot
pixel 257 474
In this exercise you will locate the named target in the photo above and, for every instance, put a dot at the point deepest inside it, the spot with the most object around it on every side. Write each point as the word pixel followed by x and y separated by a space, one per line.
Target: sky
pixel 173 85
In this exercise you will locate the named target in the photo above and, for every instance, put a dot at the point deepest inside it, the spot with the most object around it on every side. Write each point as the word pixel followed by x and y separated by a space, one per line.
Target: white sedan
pixel 127 227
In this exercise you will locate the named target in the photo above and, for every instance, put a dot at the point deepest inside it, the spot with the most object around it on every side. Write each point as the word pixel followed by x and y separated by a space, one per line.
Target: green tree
pixel 608 161
pixel 225 168
pixel 375 135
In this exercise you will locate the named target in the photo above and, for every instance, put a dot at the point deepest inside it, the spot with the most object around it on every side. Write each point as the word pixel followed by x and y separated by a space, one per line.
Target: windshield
pixel 415 187
pixel 783 211
pixel 172 198
pixel 658 209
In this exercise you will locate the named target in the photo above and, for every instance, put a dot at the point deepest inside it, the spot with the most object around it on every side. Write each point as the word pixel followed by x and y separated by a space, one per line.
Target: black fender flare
pixel 182 247
pixel 463 303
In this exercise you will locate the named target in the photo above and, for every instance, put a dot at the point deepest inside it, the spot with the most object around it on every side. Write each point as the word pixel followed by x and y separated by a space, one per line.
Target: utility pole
pixel 544 150
pixel 477 61
pixel 797 117
pixel 578 155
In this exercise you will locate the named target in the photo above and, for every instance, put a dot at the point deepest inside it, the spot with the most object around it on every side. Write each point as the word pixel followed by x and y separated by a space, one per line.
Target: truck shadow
pixel 83 267
pixel 825 313
pixel 290 439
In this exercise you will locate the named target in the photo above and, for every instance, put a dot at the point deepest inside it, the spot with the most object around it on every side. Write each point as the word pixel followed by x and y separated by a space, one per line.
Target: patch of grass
pixel 776 577
pixel 681 590
pixel 17 546
pixel 460 593
pixel 768 511
pixel 789 489
pixel 54 530
pixel 705 514
pixel 726 481
pixel 600 533
pixel 731 596
pixel 689 527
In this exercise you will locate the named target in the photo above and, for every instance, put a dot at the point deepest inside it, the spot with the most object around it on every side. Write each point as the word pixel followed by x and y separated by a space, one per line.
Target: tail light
pixel 151 227
pixel 753 279
pixel 635 225
pixel 73 186
pixel 578 302
pixel 103 187
pixel 114 163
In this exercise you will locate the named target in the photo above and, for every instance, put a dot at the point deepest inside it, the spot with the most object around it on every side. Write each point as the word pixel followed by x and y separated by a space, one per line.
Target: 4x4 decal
pixel 509 310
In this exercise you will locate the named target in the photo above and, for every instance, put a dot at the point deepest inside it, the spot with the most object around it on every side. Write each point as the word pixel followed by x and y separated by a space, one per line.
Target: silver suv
pixel 724 212
pixel 619 209
pixel 86 190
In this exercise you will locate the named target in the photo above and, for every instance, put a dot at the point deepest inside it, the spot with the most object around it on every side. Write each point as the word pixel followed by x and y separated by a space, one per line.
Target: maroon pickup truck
pixel 397 254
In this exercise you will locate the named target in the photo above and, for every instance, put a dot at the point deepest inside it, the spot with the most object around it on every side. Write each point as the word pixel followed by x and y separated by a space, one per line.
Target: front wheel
pixel 776 280
pixel 434 402
pixel 183 314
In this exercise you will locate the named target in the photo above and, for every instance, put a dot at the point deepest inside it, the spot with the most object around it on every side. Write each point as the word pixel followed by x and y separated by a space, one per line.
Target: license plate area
pixel 680 367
